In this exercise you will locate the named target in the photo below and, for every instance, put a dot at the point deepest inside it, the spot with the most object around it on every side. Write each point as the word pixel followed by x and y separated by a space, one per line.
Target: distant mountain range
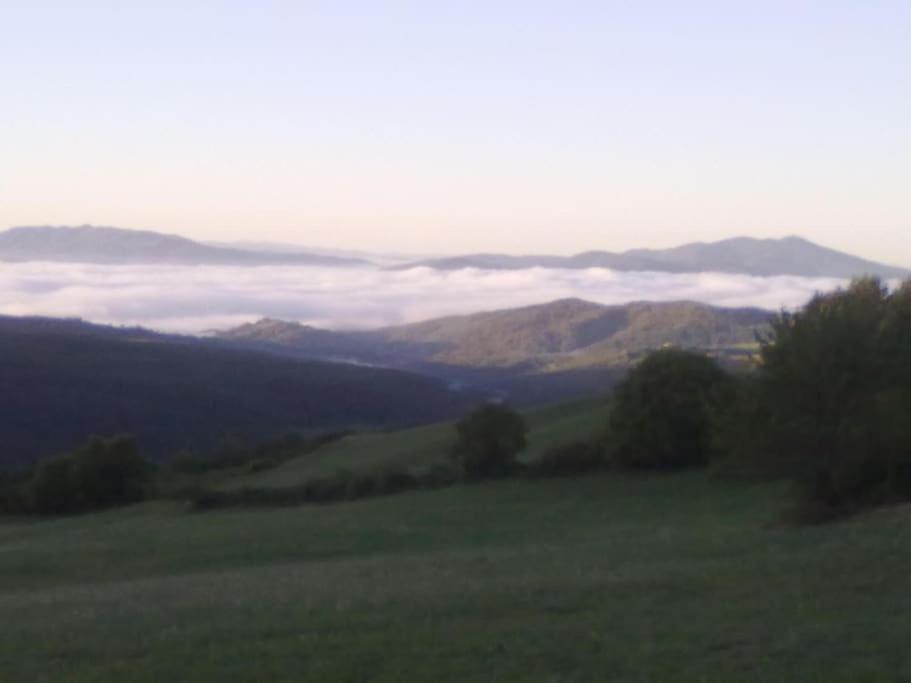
pixel 524 352
pixel 62 381
pixel 762 257
pixel 90 244
pixel 379 258
pixel 746 255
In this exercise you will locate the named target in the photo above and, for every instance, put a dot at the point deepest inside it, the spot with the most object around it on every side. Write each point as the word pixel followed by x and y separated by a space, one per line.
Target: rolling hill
pixel 532 336
pixel 420 448
pixel 62 381
pixel 535 354
pixel 114 246
pixel 749 256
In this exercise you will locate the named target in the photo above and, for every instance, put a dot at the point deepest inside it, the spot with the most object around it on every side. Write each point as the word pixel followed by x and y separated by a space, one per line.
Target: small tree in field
pixel 662 412
pixel 489 440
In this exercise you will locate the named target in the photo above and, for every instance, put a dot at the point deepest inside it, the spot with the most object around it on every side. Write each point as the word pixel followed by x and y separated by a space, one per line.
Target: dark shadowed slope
pixel 62 381
pixel 749 256
pixel 90 244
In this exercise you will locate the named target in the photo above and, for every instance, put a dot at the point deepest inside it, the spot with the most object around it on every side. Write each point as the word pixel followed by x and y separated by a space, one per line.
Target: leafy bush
pixel 569 459
pixel 52 489
pixel 341 486
pixel 12 494
pixel 266 455
pixel 439 476
pixel 662 412
pixel 103 473
pixel 831 402
pixel 489 440
pixel 390 480
pixel 742 434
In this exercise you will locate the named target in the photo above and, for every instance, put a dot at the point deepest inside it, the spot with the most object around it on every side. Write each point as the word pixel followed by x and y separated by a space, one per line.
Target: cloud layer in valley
pixel 202 298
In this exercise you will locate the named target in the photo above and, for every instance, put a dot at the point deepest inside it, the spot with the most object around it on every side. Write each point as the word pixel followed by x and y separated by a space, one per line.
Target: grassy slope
pixel 674 578
pixel 423 446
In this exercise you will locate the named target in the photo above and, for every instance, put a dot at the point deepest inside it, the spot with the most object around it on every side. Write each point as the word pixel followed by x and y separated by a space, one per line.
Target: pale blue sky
pixel 442 127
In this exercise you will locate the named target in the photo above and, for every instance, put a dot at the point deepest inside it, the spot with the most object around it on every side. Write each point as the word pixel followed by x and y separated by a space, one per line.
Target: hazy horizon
pixel 514 127
pixel 392 257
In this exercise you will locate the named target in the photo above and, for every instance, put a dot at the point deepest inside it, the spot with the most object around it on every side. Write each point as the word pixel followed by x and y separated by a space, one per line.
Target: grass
pixel 667 578
pixel 421 447
pixel 602 578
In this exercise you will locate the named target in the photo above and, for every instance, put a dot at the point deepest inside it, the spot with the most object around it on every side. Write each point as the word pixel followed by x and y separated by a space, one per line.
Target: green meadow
pixel 607 577
pixel 422 447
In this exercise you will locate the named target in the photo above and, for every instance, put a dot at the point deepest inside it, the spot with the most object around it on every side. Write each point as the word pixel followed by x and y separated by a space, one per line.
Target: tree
pixel 489 440
pixel 661 416
pixel 832 396
pixel 50 490
pixel 108 472
pixel 102 473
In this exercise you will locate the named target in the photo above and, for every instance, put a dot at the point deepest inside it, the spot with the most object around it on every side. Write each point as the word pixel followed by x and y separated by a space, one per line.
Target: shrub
pixel 439 476
pixel 108 472
pixel 662 411
pixel 742 433
pixel 12 501
pixel 390 480
pixel 266 455
pixel 52 490
pixel 329 489
pixel 103 473
pixel 569 459
pixel 489 440
pixel 341 486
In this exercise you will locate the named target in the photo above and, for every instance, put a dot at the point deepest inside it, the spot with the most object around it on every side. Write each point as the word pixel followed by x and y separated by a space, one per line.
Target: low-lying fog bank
pixel 195 299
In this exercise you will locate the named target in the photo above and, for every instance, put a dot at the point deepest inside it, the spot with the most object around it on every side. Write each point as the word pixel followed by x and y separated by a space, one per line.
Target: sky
pixel 444 127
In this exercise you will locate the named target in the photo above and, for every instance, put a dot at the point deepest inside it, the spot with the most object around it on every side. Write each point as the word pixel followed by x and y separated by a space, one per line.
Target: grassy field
pixel 606 578
pixel 603 578
pixel 424 446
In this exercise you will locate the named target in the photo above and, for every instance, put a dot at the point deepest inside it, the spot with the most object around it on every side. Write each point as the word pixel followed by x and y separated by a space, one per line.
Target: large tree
pixel 830 406
pixel 489 440
pixel 662 411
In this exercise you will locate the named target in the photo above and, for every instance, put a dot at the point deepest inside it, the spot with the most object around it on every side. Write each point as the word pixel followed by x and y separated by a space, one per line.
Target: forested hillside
pixel 568 332
pixel 62 381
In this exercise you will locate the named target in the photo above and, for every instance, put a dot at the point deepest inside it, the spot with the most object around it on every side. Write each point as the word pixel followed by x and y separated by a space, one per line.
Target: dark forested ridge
pixel 763 257
pixel 64 380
